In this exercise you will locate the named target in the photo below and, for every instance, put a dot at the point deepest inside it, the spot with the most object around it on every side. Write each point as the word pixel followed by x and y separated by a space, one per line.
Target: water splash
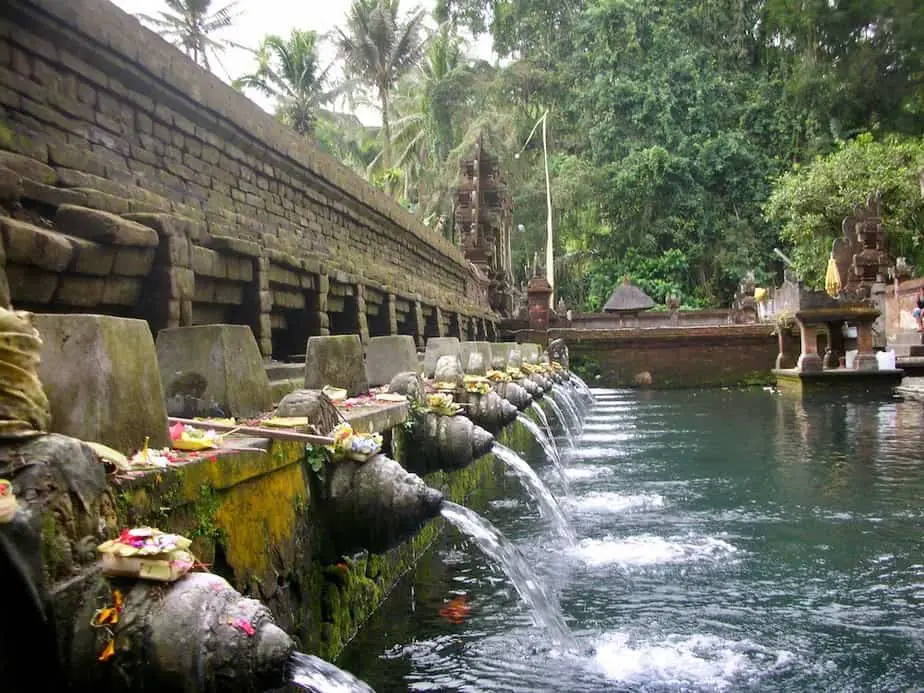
pixel 569 406
pixel 538 491
pixel 582 387
pixel 313 674
pixel 548 447
pixel 560 415
pixel 496 546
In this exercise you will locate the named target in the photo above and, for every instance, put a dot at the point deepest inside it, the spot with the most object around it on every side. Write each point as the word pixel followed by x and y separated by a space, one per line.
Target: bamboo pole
pixel 276 434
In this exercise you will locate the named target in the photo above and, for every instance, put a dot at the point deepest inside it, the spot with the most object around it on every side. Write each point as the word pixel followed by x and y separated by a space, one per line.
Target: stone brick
pixel 103 227
pixel 133 262
pixel 229 293
pixel 30 245
pixel 30 285
pixel 52 196
pixel 237 246
pixel 10 185
pixel 71 157
pixel 28 168
pixel 178 282
pixel 240 268
pixel 122 291
pixel 205 291
pixel 104 202
pixel 79 291
pixel 93 258
pixel 207 262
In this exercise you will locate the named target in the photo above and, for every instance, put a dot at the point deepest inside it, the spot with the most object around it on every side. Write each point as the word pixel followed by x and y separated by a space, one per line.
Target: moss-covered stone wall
pixel 252 521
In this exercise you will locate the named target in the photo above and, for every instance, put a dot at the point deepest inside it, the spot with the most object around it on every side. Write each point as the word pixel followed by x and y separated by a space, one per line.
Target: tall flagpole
pixel 549 260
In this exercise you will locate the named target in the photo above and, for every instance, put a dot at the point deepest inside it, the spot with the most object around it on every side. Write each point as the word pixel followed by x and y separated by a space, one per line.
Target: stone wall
pixel 900 300
pixel 134 183
pixel 673 357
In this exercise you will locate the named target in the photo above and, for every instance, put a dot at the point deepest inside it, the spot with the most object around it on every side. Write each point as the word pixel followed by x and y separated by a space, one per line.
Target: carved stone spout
pixel 374 505
pixel 197 634
pixel 446 442
pixel 491 411
pixel 515 394
pixel 531 387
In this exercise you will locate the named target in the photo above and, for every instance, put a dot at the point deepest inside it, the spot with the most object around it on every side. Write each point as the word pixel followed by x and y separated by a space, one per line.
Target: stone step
pixel 908 337
pixel 277 370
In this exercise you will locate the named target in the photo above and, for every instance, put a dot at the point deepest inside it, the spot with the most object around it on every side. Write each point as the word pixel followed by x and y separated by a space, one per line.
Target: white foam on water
pixel 505 503
pixel 607 502
pixel 587 472
pixel 704 662
pixel 610 437
pixel 648 550
pixel 597 452
pixel 605 425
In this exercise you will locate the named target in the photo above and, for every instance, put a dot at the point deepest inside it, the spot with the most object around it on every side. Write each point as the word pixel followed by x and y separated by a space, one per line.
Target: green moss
pixel 205 510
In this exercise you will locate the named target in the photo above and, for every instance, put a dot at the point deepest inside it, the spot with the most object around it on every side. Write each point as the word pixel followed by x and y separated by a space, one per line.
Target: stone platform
pixel 845 379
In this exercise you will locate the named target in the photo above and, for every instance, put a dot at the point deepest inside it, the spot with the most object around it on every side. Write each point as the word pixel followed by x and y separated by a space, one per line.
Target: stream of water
pixel 537 490
pixel 569 406
pixel 548 447
pixel 563 422
pixel 729 540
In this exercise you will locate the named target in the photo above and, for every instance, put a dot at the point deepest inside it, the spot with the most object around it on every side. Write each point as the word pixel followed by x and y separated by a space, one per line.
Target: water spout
pixel 495 545
pixel 568 404
pixel 313 674
pixel 537 490
pixel 582 387
pixel 560 415
pixel 548 447
pixel 374 505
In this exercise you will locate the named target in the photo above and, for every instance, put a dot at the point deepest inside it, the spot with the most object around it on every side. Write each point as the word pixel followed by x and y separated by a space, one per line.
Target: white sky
pixel 261 17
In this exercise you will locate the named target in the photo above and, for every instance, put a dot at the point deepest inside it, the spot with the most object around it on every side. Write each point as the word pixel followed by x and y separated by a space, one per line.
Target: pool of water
pixel 727 540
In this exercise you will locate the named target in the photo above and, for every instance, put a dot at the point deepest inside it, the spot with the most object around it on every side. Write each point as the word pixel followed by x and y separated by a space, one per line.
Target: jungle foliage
pixel 686 138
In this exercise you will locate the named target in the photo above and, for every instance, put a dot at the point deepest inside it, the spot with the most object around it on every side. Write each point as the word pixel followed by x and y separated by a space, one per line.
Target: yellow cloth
pixel 832 279
pixel 760 294
pixel 24 408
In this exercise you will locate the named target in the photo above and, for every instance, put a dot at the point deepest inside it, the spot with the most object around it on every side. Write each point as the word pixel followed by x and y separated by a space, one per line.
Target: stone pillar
pixel 323 291
pixel 419 325
pixel 263 328
pixel 362 320
pixel 866 356
pixel 538 292
pixel 462 324
pixel 809 360
pixel 835 349
pixel 392 313
pixel 440 325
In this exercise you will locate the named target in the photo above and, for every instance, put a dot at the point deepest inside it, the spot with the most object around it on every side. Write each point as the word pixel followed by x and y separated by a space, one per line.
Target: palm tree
pixel 189 25
pixel 427 107
pixel 378 48
pixel 288 71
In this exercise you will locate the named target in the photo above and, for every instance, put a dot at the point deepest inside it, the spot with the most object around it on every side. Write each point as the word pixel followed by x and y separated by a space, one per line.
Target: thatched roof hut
pixel 628 298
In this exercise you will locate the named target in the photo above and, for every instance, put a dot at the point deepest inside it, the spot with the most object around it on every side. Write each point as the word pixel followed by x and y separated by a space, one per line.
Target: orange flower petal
pixel 108 652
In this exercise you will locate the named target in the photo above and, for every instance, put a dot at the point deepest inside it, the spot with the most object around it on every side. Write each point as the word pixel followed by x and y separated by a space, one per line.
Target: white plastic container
pixel 850 358
pixel 886 360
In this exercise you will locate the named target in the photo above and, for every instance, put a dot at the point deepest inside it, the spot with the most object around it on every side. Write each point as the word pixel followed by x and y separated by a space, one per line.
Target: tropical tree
pixel 288 71
pixel 379 47
pixel 810 201
pixel 190 24
pixel 428 107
